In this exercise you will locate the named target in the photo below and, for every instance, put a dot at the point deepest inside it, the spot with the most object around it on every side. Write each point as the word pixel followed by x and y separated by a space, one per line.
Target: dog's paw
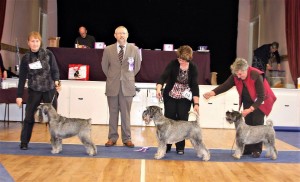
pixel 206 157
pixel 55 151
pixel 274 157
pixel 158 156
pixel 92 152
pixel 268 155
pixel 235 156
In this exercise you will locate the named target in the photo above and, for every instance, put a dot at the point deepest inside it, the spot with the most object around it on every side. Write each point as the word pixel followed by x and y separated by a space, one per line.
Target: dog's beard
pixel 229 117
pixel 45 118
pixel 147 119
pixel 229 120
pixel 41 117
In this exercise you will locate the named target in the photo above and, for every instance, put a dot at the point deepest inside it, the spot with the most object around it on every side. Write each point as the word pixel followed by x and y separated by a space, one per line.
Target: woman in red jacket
pixel 254 93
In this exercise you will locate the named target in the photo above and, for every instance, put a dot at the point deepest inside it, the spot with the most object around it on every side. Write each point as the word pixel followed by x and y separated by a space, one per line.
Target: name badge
pixel 36 65
pixel 131 64
pixel 187 94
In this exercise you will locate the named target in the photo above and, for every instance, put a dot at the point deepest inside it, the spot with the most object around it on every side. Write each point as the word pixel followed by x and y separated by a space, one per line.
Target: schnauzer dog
pixel 169 131
pixel 62 127
pixel 246 134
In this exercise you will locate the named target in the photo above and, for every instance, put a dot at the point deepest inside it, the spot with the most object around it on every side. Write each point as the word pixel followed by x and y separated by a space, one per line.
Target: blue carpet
pixel 76 150
pixel 4 176
pixel 292 138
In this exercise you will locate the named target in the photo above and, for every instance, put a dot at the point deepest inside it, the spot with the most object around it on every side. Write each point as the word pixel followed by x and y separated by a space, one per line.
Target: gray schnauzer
pixel 246 134
pixel 169 131
pixel 62 127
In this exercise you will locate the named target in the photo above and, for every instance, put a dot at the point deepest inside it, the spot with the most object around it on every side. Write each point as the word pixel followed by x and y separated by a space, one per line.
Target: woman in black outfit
pixel 40 68
pixel 181 89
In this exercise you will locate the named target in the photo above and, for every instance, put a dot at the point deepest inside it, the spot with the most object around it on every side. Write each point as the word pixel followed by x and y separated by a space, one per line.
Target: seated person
pixel 84 40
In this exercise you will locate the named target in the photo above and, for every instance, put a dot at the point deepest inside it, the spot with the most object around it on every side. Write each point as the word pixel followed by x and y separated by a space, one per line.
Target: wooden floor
pixel 72 169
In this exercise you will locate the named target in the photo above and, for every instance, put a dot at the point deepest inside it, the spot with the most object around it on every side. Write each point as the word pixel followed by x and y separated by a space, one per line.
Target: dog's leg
pixel 161 150
pixel 59 144
pixel 274 153
pixel 268 149
pixel 85 138
pixel 55 145
pixel 273 149
pixel 239 149
pixel 200 148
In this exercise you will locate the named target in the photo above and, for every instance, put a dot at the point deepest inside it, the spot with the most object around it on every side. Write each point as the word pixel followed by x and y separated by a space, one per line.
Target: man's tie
pixel 121 53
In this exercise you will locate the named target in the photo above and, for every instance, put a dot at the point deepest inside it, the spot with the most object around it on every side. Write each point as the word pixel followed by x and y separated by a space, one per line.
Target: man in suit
pixel 120 63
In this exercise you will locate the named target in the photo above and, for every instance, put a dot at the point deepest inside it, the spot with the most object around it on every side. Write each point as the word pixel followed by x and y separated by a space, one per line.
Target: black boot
pixel 23 146
pixel 169 146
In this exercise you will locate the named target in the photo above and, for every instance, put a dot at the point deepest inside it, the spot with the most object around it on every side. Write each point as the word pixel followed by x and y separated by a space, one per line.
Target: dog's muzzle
pixel 40 115
pixel 146 117
pixel 229 117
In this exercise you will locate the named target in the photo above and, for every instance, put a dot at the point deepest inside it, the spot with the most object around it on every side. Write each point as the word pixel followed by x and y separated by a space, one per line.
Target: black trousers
pixel 253 119
pixel 177 109
pixel 34 100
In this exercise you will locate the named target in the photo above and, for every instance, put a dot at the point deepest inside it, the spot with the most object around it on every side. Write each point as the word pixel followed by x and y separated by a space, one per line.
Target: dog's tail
pixel 269 122
pixel 197 116
pixel 90 121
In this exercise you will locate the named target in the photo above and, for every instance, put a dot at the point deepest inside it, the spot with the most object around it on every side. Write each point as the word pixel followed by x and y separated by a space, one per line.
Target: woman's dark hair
pixel 275 45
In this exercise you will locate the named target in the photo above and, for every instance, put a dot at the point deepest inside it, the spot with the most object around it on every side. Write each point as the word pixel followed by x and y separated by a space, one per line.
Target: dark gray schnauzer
pixel 246 134
pixel 62 127
pixel 169 131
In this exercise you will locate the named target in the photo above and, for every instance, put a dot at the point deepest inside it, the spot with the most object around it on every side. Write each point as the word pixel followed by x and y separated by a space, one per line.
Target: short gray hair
pixel 240 64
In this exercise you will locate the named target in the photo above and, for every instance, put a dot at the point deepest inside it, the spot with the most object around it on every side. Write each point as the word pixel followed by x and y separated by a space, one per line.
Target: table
pixel 153 63
pixel 8 96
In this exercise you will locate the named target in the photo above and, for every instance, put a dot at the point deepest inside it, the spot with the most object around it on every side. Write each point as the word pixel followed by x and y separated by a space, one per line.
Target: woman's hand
pixel 57 86
pixel 247 111
pixel 196 108
pixel 158 94
pixel 19 101
pixel 209 94
pixel 158 91
pixel 4 75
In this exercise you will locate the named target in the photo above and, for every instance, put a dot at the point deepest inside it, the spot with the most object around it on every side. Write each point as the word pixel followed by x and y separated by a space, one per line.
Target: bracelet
pixel 196 104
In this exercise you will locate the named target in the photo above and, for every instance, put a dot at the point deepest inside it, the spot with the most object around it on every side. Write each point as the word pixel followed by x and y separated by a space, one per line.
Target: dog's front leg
pixel 239 149
pixel 161 150
pixel 59 144
pixel 55 144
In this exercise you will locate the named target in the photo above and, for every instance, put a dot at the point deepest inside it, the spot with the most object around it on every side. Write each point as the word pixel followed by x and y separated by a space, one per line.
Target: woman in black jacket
pixel 181 89
pixel 40 68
